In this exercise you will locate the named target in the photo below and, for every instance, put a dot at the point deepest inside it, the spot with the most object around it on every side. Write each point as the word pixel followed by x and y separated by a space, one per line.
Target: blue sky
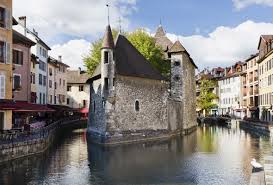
pixel 215 32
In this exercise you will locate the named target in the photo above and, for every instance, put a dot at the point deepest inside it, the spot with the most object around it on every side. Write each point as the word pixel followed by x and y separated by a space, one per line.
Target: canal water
pixel 210 156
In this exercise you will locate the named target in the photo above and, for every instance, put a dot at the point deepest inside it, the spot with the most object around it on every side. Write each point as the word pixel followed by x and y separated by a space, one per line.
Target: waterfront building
pixel 21 67
pixel 33 75
pixel 230 98
pixel 57 81
pixel 40 50
pixel 250 87
pixel 265 69
pixel 6 77
pixel 78 91
pixel 131 100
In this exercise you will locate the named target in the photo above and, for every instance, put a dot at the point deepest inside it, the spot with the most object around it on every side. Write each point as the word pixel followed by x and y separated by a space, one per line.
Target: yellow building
pixel 5 64
pixel 266 77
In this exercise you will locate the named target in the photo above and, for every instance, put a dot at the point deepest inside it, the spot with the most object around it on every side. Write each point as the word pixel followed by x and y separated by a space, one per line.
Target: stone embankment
pixel 17 145
pixel 255 127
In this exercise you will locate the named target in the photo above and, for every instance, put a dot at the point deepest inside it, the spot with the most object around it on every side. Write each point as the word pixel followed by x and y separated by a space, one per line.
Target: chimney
pixel 80 70
pixel 23 21
pixel 60 58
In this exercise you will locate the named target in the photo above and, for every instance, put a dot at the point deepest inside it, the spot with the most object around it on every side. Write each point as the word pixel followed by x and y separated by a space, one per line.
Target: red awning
pixel 29 107
pixel 7 105
pixel 84 110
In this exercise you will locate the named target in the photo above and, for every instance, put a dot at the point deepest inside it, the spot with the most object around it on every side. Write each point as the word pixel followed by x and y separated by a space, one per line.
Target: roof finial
pixel 119 21
pixel 108 16
pixel 160 22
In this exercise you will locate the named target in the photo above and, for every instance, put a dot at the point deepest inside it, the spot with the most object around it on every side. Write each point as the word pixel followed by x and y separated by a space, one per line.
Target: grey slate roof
pixel 77 77
pixel 130 62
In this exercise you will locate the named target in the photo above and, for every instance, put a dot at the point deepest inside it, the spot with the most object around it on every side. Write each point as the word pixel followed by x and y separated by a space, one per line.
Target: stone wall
pixel 152 97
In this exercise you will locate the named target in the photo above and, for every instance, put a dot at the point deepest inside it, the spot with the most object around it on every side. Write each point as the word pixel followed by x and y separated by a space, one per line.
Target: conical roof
pixel 177 47
pixel 161 39
pixel 160 32
pixel 108 41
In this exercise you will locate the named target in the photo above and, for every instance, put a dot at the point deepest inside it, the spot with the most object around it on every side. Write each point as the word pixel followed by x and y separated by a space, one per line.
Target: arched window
pixel 137 105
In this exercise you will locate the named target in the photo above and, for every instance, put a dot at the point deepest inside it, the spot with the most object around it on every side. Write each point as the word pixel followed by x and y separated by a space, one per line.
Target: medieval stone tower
pixel 131 101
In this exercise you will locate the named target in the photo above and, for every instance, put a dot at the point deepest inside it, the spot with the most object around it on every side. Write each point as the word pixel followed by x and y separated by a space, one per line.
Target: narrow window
pixel 106 83
pixel 106 57
pixel 67 101
pixel 177 63
pixel 137 105
pixel 81 88
pixel 94 106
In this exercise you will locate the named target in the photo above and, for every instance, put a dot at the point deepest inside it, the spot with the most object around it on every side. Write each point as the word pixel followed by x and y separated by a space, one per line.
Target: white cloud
pixel 225 45
pixel 72 17
pixel 240 4
pixel 72 52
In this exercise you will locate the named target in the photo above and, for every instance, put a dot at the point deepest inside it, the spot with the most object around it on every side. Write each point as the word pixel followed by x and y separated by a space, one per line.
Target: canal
pixel 210 156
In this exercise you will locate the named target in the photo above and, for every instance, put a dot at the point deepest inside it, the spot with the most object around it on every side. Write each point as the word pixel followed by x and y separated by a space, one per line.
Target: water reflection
pixel 212 155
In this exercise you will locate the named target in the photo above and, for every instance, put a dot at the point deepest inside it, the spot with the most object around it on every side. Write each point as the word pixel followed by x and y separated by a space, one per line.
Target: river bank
pixel 17 145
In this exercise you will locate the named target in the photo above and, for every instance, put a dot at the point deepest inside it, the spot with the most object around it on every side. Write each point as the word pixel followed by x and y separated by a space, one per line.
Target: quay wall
pixel 13 146
pixel 256 127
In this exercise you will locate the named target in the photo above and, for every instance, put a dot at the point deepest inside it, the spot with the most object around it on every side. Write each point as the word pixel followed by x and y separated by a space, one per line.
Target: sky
pixel 215 32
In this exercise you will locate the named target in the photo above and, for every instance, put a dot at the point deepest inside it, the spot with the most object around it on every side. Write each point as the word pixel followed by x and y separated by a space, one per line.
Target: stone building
pixel 78 91
pixel 57 81
pixel 131 101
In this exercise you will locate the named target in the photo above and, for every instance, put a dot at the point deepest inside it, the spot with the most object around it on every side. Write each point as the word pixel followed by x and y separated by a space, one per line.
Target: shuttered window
pixel 2 86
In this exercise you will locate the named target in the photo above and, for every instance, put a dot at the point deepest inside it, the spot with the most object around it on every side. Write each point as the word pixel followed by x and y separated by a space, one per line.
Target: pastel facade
pixel 250 91
pixel 57 82
pixel 6 77
pixel 78 91
pixel 21 65
pixel 266 77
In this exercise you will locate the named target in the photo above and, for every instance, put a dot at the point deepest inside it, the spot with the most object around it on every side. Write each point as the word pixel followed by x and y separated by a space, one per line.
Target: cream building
pixel 250 87
pixel 266 77
pixel 6 77
pixel 78 91
pixel 57 81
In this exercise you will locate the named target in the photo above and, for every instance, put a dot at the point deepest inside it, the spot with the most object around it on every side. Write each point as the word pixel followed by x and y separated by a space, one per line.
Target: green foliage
pixel 206 97
pixel 142 41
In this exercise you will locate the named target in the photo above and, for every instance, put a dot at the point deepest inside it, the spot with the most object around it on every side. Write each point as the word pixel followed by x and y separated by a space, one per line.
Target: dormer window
pixel 106 57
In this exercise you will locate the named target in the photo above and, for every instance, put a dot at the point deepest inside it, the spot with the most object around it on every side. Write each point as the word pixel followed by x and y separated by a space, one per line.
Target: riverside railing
pixel 12 137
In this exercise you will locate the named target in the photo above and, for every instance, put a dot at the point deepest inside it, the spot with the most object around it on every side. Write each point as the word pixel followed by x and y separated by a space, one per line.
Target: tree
pixel 206 97
pixel 144 43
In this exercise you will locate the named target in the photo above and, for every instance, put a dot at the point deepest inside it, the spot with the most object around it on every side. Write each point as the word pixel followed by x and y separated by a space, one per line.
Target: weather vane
pixel 119 21
pixel 108 16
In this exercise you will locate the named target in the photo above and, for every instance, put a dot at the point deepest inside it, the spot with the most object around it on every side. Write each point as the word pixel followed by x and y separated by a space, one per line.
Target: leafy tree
pixel 206 97
pixel 142 41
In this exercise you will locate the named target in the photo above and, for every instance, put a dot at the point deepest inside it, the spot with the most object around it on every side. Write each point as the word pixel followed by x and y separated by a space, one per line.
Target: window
pixel 60 82
pixel 44 80
pixel 177 63
pixel 50 71
pixel 55 99
pixel 40 98
pixel 50 83
pixel 2 52
pixel 2 120
pixel 106 83
pixel 176 78
pixel 33 78
pixel 63 82
pixel 17 57
pixel 55 85
pixel 81 88
pixel 84 103
pixel 137 105
pixel 2 17
pixel 94 106
pixel 68 88
pixel 16 81
pixel 42 65
pixel 67 101
pixel 40 79
pixel 106 57
pixel 50 99
pixel 44 99
pixel 2 86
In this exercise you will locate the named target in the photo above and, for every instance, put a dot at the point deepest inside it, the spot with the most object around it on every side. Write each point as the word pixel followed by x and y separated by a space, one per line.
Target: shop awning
pixel 29 107
pixel 7 105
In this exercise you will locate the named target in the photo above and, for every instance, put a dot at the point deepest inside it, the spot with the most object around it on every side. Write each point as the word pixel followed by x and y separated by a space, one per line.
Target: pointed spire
pixel 160 31
pixel 108 41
